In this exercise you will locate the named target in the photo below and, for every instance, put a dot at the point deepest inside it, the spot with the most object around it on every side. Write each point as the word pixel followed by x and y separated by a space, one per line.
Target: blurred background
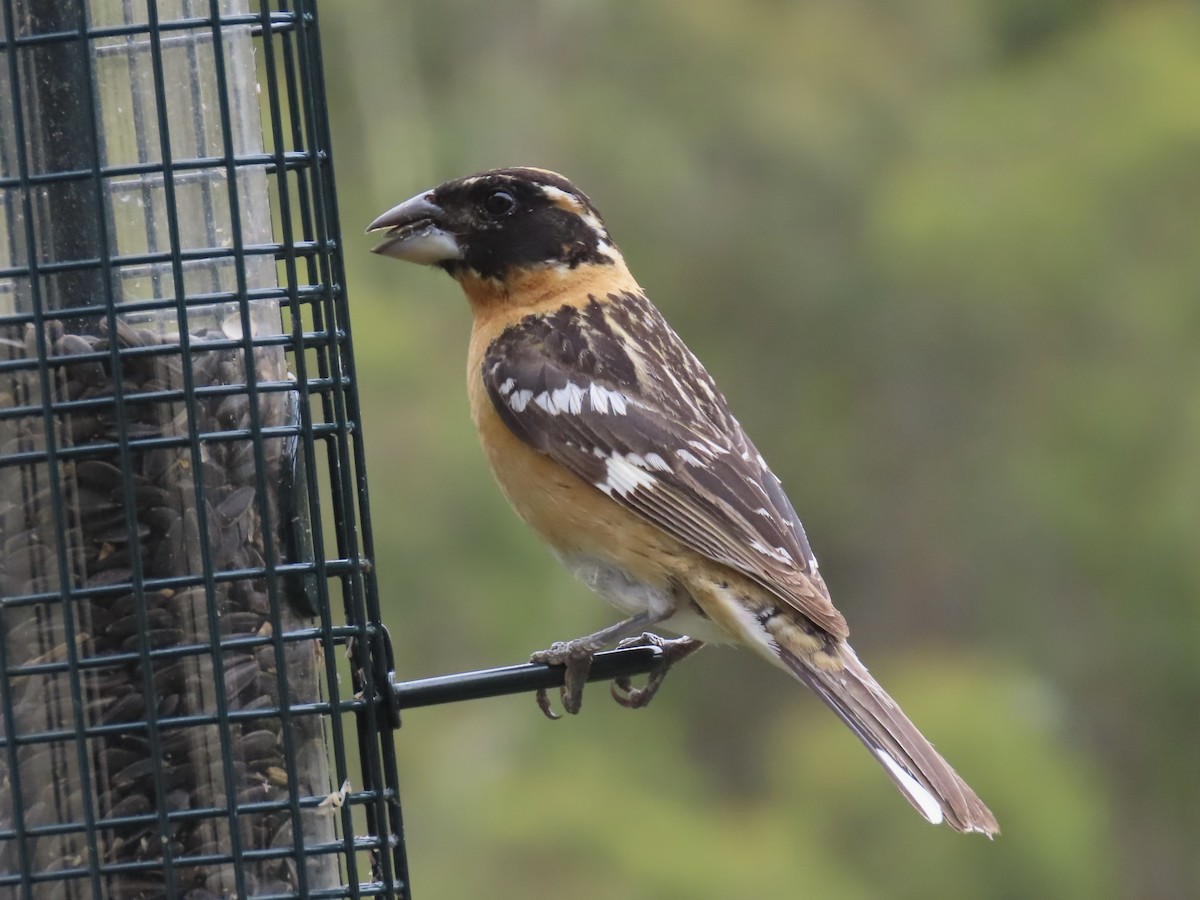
pixel 944 258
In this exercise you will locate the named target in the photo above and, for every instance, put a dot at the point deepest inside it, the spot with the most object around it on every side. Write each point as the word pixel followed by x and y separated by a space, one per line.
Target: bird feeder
pixel 192 699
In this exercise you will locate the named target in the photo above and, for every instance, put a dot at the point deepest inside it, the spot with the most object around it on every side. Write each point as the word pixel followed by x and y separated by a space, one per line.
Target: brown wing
pixel 610 392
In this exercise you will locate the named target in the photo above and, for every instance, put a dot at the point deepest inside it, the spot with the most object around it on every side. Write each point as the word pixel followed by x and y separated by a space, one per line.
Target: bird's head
pixel 491 225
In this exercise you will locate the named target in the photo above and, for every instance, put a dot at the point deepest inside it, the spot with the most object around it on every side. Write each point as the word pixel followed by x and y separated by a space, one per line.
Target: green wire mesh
pixel 194 698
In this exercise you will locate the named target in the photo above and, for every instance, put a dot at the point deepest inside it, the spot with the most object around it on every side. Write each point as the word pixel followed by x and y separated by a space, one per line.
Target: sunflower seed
pixel 131 504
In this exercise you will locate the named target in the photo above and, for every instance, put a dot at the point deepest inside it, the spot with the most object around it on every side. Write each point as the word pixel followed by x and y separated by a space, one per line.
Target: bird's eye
pixel 499 203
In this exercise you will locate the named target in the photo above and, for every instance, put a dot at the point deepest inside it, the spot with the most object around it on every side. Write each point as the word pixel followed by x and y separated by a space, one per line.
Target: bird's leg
pixel 577 656
pixel 675 650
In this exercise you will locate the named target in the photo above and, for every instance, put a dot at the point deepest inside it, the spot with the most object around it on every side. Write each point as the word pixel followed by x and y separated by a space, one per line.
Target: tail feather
pixel 925 779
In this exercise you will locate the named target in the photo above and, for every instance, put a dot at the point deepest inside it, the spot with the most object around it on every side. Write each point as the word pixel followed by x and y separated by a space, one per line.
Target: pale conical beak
pixel 415 232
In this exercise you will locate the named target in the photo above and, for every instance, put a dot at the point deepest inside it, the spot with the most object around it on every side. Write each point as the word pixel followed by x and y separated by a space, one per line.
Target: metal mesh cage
pixel 193 697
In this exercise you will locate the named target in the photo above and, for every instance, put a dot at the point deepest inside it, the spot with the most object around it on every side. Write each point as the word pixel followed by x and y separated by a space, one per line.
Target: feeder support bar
pixel 519 679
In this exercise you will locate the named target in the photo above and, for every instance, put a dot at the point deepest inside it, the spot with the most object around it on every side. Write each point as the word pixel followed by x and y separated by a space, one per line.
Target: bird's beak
pixel 416 232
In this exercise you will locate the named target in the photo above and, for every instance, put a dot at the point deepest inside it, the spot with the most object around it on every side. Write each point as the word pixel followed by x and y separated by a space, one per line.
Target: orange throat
pixel 542 288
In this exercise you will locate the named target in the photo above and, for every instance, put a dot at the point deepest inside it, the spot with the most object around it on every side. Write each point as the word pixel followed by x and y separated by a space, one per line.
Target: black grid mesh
pixel 194 677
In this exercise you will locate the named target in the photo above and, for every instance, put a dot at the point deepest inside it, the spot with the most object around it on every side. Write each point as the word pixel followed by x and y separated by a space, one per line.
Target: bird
pixel 614 444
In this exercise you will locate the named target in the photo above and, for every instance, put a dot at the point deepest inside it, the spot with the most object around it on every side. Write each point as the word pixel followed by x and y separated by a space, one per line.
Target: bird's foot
pixel 674 650
pixel 576 656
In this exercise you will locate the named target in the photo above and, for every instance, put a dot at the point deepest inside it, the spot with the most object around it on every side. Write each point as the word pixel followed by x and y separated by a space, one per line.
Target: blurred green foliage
pixel 943 258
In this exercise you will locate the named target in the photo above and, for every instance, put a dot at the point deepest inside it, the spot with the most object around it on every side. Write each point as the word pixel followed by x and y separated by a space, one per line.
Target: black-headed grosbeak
pixel 612 441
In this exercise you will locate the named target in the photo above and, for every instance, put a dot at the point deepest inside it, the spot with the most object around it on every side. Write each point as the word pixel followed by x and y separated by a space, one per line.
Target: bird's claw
pixel 622 688
pixel 628 696
pixel 543 702
pixel 576 658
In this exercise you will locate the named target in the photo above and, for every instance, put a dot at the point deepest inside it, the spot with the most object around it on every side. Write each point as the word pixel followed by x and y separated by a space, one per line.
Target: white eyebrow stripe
pixel 572 203
pixel 562 198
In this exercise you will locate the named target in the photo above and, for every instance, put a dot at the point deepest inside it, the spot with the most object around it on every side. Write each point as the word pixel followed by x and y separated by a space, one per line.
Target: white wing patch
pixel 779 554
pixel 707 447
pixel 690 458
pixel 568 399
pixel 654 461
pixel 605 401
pixel 520 399
pixel 624 474
pixel 647 462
